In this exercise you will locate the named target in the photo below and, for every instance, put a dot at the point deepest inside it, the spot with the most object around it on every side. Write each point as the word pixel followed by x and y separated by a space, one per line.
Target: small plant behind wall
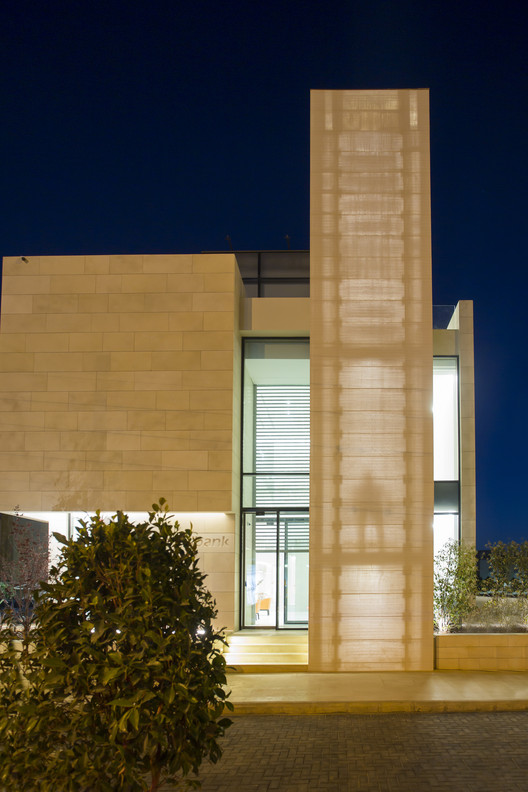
pixel 508 585
pixel 24 563
pixel 521 563
pixel 125 681
pixel 455 585
pixel 502 563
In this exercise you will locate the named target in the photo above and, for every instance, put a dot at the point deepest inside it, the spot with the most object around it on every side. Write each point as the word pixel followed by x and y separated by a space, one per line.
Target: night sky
pixel 135 127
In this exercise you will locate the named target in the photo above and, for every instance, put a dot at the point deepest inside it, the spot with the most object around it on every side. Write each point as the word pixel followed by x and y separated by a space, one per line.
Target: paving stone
pixel 396 752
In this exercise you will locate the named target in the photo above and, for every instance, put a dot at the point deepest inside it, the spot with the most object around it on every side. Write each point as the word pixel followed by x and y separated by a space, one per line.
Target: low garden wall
pixel 482 651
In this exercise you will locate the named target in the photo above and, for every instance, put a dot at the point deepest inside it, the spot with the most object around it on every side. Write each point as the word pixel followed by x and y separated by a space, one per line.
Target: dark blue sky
pixel 161 127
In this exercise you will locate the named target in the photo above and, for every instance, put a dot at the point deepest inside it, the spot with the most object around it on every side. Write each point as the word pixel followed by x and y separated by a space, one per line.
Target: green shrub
pixel 121 683
pixel 508 569
pixel 521 565
pixel 507 585
pixel 500 614
pixel 455 585
pixel 502 562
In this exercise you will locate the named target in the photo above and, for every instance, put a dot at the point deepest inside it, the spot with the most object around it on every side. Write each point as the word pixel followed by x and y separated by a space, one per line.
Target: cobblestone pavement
pixel 398 752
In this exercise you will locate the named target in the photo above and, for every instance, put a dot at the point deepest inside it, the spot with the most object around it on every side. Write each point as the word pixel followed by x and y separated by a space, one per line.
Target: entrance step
pixel 261 651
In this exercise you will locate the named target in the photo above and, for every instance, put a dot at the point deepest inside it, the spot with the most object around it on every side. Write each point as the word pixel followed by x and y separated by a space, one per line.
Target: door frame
pixel 276 512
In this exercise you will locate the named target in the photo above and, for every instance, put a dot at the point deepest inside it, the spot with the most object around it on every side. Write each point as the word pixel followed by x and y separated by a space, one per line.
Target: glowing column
pixel 371 503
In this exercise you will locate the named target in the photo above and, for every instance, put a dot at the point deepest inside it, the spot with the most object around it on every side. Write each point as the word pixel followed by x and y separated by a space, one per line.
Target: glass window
pixel 445 418
pixel 276 423
pixel 446 497
pixel 445 529
pixel 247 263
pixel 276 569
pixel 285 264
pixel 275 482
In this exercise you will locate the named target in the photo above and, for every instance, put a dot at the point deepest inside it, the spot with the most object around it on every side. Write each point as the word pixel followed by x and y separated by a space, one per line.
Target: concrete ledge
pixel 377 692
pixel 374 707
pixel 481 652
pixel 261 668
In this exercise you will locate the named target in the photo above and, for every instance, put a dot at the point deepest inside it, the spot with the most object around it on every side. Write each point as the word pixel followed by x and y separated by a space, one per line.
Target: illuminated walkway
pixel 437 691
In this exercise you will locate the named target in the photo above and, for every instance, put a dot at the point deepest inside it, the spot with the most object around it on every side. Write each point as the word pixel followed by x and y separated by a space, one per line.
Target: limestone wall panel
pixel 108 368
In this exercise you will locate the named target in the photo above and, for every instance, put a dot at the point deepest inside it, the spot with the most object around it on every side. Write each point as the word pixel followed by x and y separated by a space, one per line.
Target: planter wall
pixel 482 652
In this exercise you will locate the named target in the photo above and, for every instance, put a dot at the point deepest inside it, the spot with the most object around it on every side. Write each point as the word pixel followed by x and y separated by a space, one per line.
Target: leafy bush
pixel 508 568
pixel 521 568
pixel 499 614
pixel 122 677
pixel 501 562
pixel 455 584
pixel 506 609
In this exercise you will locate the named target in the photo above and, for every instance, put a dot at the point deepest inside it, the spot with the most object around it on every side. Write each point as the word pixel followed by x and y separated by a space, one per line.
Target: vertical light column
pixel 371 503
pixel 463 318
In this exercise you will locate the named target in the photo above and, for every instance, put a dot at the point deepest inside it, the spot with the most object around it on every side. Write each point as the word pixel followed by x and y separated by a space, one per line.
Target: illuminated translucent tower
pixel 371 502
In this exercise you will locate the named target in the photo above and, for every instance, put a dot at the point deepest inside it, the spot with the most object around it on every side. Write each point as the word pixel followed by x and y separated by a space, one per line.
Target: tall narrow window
pixel 445 418
pixel 276 432
pixel 446 450
pixel 276 480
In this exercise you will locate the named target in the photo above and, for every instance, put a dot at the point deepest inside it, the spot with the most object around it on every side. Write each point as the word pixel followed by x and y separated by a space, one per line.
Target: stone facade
pixel 481 652
pixel 119 382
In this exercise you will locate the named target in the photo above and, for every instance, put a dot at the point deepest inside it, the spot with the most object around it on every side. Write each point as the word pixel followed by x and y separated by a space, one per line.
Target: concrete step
pixel 266 657
pixel 264 646
pixel 247 637
pixel 270 649
pixel 266 668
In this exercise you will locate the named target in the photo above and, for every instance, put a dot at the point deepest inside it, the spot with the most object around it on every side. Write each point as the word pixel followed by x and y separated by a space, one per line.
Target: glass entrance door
pixel 293 567
pixel 275 549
